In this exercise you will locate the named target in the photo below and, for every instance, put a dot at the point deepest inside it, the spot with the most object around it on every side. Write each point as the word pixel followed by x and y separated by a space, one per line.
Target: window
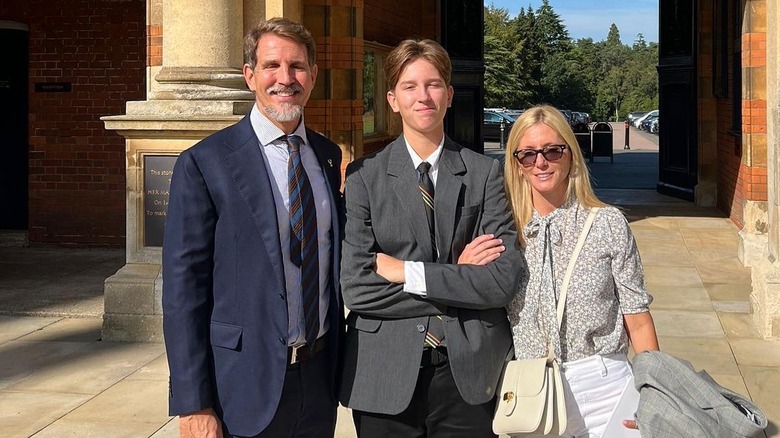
pixel 727 61
pixel 374 89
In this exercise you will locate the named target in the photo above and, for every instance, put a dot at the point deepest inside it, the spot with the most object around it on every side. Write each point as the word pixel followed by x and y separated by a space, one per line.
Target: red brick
pixel 100 48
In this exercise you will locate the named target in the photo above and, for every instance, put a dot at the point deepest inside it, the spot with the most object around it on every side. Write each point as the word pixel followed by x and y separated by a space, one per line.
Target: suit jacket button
pixel 282 297
pixel 282 340
pixel 420 328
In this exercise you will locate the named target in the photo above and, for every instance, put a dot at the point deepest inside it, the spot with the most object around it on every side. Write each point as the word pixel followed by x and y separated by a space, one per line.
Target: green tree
pixel 613 37
pixel 501 85
pixel 551 30
pixel 504 82
pixel 530 59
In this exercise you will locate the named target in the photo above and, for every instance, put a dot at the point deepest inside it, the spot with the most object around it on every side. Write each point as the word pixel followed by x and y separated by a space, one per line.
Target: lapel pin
pixel 330 162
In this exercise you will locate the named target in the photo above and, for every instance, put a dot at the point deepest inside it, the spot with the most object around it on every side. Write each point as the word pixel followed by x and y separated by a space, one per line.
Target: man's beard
pixel 286 112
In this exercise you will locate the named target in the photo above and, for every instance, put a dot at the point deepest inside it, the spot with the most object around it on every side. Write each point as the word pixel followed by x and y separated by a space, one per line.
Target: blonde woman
pixel 550 194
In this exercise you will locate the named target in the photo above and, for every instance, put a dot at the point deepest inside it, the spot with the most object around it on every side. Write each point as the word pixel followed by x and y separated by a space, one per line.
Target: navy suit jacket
pixel 224 297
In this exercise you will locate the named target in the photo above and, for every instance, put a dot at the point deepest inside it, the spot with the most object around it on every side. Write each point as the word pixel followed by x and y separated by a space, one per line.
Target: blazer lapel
pixel 247 166
pixel 447 197
pixel 407 192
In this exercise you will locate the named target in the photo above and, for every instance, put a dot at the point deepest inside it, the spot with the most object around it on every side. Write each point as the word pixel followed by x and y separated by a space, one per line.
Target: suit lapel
pixel 448 189
pixel 247 166
pixel 408 194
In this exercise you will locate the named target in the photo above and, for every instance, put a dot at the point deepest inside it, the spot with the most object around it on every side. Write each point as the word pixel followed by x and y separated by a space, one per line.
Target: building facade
pixel 103 94
pixel 736 60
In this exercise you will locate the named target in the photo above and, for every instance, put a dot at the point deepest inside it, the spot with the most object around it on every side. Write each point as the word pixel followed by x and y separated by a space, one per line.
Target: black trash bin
pixel 582 134
pixel 601 139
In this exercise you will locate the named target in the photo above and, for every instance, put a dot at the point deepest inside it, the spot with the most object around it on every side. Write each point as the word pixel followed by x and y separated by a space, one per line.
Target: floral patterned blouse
pixel 607 283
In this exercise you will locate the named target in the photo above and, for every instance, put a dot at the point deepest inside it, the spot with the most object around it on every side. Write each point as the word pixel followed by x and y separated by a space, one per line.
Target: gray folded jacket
pixel 677 401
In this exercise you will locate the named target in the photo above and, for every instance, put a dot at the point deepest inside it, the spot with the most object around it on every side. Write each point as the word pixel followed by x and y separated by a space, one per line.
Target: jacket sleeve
pixel 364 291
pixel 187 296
pixel 482 287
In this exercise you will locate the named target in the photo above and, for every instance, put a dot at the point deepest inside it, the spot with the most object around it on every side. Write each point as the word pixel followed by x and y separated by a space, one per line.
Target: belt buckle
pixel 294 354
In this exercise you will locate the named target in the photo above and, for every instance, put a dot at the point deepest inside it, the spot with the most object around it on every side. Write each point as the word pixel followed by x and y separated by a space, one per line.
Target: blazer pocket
pixel 469 211
pixel 364 324
pixel 226 335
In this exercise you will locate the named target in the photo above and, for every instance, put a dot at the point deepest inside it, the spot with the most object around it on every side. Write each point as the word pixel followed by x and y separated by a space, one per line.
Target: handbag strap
pixel 572 261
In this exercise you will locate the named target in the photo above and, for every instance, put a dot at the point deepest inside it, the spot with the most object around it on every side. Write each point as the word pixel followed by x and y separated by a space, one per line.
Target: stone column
pixel 202 51
pixel 758 237
pixel 759 241
pixel 195 87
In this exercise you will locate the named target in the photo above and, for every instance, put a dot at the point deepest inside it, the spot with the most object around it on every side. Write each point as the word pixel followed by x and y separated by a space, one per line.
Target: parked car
pixel 491 125
pixel 638 122
pixel 569 115
pixel 645 124
pixel 633 115
pixel 513 113
pixel 654 125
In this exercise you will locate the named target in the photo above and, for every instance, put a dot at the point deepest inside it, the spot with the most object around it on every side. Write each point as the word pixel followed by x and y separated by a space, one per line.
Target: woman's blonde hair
pixel 518 189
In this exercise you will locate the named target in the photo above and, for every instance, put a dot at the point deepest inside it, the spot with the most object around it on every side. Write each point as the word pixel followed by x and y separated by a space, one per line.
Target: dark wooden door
pixel 677 85
pixel 13 126
pixel 461 34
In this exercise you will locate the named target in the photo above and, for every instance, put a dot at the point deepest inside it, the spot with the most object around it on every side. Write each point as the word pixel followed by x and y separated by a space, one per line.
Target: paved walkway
pixel 58 379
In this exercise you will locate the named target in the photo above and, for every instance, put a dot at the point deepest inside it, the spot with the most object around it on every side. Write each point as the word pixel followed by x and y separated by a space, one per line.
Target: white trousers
pixel 592 388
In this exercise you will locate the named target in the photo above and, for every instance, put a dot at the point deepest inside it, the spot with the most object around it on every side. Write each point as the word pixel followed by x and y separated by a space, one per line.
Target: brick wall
pixel 389 22
pixel 77 178
pixel 741 150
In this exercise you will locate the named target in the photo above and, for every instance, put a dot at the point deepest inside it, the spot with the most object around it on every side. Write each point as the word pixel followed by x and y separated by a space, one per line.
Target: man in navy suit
pixel 251 307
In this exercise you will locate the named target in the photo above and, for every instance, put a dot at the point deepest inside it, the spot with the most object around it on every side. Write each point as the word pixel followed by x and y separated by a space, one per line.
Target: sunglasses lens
pixel 553 153
pixel 526 158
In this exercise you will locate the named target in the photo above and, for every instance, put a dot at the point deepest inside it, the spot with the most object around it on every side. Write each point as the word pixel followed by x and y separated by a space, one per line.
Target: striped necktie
pixel 435 334
pixel 426 190
pixel 303 237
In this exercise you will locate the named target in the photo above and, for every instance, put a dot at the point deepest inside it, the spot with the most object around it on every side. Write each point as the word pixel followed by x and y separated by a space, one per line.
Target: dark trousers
pixel 307 408
pixel 436 411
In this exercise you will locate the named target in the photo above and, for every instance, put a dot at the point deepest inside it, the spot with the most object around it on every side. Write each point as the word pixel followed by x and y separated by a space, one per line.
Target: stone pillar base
pixel 765 298
pixel 160 129
pixel 133 310
pixel 705 194
pixel 765 282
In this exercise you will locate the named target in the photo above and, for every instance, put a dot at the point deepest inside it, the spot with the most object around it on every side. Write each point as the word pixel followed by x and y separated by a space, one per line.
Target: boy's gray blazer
pixel 387 326
pixel 677 401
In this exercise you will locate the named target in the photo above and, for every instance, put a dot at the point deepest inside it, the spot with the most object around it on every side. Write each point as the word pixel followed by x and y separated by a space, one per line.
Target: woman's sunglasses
pixel 527 157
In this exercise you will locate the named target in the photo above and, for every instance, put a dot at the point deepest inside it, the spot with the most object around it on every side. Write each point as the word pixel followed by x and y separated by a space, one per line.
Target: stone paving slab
pixel 674 323
pixel 93 370
pixel 14 327
pixel 24 413
pixel 97 429
pixel 680 298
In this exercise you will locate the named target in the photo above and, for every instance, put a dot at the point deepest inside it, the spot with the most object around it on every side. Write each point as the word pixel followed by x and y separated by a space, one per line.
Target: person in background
pixel 549 189
pixel 427 332
pixel 252 315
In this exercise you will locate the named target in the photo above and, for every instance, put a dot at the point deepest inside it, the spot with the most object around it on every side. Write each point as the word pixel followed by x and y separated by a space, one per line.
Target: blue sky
pixel 592 18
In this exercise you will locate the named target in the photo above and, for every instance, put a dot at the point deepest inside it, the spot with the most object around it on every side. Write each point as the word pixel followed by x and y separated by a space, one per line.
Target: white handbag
pixel 530 391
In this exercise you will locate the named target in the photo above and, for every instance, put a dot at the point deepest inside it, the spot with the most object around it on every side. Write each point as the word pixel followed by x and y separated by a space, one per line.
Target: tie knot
pixel 294 142
pixel 424 167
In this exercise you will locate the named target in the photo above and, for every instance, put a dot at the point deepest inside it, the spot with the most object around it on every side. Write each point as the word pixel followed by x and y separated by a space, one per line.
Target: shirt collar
pixel 267 132
pixel 433 158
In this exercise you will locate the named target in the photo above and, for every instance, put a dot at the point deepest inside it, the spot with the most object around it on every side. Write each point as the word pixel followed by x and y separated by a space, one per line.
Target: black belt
pixel 302 353
pixel 434 356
